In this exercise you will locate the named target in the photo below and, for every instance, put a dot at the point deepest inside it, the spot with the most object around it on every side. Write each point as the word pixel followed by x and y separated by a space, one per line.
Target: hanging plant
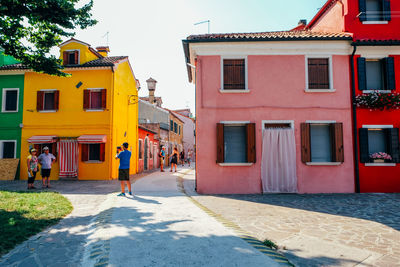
pixel 378 100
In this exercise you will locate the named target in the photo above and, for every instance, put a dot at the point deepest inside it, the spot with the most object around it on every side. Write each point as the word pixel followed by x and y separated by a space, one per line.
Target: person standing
pixel 32 163
pixel 182 157
pixel 124 157
pixel 174 160
pixel 189 157
pixel 162 158
pixel 46 159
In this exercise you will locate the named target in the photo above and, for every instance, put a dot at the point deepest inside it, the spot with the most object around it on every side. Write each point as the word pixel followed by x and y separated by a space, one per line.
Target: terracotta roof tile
pixel 101 62
pixel 270 36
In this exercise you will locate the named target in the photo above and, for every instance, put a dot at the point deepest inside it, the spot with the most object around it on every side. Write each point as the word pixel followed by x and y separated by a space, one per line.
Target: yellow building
pixel 84 117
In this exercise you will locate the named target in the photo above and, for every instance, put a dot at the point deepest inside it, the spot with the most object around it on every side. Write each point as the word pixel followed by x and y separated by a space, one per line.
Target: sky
pixel 150 32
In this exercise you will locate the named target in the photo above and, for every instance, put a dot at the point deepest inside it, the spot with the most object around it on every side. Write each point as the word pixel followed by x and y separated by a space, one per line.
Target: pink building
pixel 273 112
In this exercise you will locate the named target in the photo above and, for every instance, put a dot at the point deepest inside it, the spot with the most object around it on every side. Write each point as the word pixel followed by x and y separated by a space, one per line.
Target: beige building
pixel 175 133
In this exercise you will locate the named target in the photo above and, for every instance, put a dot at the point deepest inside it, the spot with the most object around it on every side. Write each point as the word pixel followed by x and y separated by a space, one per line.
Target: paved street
pixel 319 230
pixel 159 227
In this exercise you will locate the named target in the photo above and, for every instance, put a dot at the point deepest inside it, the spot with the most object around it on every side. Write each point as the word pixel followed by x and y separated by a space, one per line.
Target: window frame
pixel 2 147
pixel 384 19
pixel 246 79
pixel 46 91
pixel 3 104
pixel 381 127
pixel 89 109
pixel 376 58
pixel 331 163
pixel 99 156
pixel 69 52
pixel 140 149
pixel 330 66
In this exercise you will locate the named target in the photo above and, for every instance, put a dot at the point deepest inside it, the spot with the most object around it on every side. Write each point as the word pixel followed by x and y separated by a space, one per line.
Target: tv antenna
pixel 106 35
pixel 205 21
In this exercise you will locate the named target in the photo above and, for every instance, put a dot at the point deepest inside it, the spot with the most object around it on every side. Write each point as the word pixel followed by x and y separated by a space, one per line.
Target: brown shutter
pixel 39 100
pixel 318 73
pixel 251 142
pixel 76 57
pixel 86 99
pixel 234 73
pixel 65 58
pixel 337 142
pixel 56 99
pixel 85 152
pixel 54 149
pixel 102 151
pixel 220 143
pixel 305 142
pixel 104 98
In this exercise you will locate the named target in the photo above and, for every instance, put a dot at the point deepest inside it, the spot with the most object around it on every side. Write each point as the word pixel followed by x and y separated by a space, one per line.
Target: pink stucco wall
pixel 276 86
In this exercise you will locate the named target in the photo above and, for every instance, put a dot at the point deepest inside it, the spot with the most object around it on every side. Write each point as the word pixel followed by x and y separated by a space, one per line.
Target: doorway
pixel 146 153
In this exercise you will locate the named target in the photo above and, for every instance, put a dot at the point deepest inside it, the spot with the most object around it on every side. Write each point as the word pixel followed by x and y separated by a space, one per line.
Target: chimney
pixel 151 86
pixel 303 22
pixel 103 50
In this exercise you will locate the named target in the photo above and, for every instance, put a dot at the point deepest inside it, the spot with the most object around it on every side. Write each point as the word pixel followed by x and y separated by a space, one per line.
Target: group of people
pixel 174 158
pixel 45 160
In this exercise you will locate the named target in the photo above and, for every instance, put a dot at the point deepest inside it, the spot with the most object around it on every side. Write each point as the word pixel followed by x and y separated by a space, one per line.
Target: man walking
pixel 46 159
pixel 162 157
pixel 124 157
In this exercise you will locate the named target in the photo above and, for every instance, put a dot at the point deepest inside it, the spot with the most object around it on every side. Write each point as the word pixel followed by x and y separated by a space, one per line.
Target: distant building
pixel 148 149
pixel 189 128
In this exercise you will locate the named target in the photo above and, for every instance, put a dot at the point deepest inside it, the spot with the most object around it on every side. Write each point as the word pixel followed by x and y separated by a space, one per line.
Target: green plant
pixel 378 100
pixel 270 244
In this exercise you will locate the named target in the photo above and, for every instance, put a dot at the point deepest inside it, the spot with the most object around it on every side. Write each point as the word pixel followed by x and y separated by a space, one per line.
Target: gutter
pixel 354 112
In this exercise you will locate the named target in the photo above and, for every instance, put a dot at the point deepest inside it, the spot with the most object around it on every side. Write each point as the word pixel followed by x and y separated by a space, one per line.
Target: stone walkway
pixel 159 227
pixel 318 230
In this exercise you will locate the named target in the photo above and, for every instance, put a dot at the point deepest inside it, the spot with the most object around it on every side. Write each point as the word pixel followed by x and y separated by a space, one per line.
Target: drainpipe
pixel 354 111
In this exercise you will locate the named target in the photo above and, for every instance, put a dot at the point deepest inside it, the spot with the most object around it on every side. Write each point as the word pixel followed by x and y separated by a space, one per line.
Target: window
pixel 236 143
pixel 175 127
pixel 318 73
pixel 93 152
pixel 234 74
pixel 10 100
pixel 140 149
pixel 52 148
pixel 71 57
pixel 47 100
pixel 151 150
pixel 179 130
pixel 94 99
pixel 374 10
pixel 322 142
pixel 8 149
pixel 375 139
pixel 171 125
pixel 376 74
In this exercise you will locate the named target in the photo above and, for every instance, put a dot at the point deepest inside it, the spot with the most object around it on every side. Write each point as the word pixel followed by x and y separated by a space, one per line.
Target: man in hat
pixel 124 157
pixel 46 159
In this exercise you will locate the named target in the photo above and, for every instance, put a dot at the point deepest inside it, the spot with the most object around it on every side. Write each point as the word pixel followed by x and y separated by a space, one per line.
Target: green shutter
pixel 390 80
pixel 362 74
pixel 364 150
pixel 362 7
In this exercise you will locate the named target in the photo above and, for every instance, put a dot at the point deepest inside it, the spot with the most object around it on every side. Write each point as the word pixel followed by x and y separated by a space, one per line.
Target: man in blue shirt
pixel 124 164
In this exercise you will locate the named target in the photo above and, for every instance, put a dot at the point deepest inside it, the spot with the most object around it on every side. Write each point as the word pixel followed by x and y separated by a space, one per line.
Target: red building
pixel 375 84
pixel 148 149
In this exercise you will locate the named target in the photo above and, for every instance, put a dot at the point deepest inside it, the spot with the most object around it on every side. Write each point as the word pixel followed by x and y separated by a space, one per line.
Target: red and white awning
pixel 92 139
pixel 42 139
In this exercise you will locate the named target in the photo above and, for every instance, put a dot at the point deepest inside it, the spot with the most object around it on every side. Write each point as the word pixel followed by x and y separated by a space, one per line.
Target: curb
pixel 245 236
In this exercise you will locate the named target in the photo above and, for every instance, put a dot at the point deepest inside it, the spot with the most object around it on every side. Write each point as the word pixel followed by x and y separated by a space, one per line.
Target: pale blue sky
pixel 150 33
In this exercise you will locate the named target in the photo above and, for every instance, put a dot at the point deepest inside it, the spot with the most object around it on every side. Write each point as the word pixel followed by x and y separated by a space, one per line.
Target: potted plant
pixel 380 157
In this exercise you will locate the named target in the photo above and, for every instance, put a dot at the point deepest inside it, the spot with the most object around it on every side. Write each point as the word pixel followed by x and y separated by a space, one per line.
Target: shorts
pixel 45 172
pixel 123 174
pixel 31 179
pixel 188 159
pixel 162 161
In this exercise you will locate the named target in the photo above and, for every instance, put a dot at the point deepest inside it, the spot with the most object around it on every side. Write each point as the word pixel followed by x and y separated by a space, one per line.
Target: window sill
pixel 94 161
pixel 323 163
pixel 319 90
pixel 380 164
pixel 47 111
pixel 379 91
pixel 233 91
pixel 235 164
pixel 94 110
pixel 9 111
pixel 375 22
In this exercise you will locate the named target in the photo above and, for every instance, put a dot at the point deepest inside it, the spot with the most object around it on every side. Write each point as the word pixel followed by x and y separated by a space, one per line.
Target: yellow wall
pixel 85 54
pixel 125 115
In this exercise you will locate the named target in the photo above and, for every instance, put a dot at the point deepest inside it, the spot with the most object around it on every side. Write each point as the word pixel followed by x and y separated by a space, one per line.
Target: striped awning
pixel 92 139
pixel 42 139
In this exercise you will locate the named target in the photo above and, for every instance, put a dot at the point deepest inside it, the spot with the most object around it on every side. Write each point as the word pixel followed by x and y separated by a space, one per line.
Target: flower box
pixel 380 157
pixel 379 161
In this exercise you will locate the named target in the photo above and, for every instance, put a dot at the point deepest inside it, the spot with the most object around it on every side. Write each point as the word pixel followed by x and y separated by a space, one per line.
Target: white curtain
pixel 278 167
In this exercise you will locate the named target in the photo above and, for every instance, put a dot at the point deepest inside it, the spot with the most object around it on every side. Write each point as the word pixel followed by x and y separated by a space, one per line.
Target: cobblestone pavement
pixel 319 230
